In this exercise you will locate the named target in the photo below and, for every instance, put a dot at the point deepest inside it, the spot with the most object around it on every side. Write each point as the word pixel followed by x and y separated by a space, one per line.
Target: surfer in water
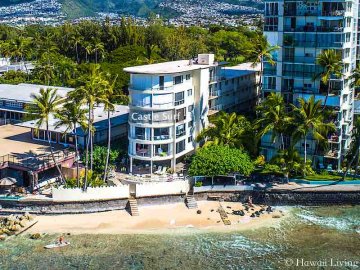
pixel 61 240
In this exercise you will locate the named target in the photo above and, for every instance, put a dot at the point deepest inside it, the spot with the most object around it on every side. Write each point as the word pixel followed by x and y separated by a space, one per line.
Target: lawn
pixel 321 177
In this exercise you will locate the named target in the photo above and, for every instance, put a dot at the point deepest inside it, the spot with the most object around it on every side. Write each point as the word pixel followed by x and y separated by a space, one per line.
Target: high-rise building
pixel 303 29
pixel 170 104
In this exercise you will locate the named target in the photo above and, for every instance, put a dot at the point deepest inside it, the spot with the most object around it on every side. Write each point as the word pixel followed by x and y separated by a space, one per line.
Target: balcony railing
pixel 291 12
pixel 162 137
pixel 143 153
pixel 333 13
pixel 299 59
pixel 307 28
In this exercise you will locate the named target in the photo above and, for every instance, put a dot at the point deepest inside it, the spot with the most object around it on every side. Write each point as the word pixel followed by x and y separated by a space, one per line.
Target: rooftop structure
pixel 15 98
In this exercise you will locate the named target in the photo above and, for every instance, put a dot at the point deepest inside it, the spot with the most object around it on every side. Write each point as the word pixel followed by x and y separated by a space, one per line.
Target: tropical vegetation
pixel 220 160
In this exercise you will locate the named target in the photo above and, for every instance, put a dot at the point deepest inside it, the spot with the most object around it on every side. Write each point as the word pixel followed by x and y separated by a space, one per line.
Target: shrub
pixel 259 161
pixel 198 184
pixel 220 160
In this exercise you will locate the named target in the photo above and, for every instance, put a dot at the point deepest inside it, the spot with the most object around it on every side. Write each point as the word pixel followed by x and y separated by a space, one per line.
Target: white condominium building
pixel 302 30
pixel 170 103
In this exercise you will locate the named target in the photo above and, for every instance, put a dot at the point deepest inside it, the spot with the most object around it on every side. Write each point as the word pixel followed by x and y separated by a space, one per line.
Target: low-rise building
pixel 15 98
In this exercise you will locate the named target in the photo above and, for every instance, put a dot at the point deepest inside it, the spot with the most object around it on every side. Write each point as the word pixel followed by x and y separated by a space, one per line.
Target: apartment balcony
pixel 333 154
pixel 333 13
pixel 162 137
pixel 267 71
pixel 143 152
pixel 299 12
pixel 334 139
pixel 331 101
pixel 307 28
pixel 215 109
pixel 312 44
pixel 300 59
pixel 216 78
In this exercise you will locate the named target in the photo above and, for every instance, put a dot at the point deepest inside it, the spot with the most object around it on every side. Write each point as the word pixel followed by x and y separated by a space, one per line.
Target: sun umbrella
pixel 7 181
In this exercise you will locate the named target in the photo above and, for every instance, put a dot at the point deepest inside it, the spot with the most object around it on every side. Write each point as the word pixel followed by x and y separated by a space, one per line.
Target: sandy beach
pixel 152 219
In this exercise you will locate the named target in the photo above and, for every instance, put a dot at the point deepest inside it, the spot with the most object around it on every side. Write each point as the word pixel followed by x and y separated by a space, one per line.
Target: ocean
pixel 310 237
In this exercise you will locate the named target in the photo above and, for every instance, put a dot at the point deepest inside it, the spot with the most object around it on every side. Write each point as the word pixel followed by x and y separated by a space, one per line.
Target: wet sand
pixel 152 219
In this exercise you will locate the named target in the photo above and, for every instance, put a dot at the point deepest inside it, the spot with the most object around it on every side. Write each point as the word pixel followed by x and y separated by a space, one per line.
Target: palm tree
pixel 88 50
pixel 76 41
pixel 355 78
pixel 310 120
pixel 71 116
pixel 354 152
pixel 262 52
pixel 91 92
pixel 330 62
pixel 98 48
pixel 43 107
pixel 273 118
pixel 288 160
pixel 225 129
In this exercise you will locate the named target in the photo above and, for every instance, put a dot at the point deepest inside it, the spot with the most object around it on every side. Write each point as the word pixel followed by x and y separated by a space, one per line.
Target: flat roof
pixel 240 70
pixel 22 92
pixel 170 67
pixel 99 115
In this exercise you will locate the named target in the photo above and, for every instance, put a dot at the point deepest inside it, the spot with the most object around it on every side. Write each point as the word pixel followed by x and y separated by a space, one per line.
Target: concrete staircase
pixel 191 202
pixel 133 207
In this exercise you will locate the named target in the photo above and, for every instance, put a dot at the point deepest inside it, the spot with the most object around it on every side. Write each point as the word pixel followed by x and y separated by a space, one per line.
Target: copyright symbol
pixel 289 262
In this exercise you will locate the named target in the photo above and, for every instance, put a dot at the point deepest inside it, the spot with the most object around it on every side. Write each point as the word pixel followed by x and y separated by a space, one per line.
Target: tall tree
pixel 90 92
pixel 310 119
pixel 354 152
pixel 262 52
pixel 331 65
pixel 273 118
pixel 225 129
pixel 71 116
pixel 44 106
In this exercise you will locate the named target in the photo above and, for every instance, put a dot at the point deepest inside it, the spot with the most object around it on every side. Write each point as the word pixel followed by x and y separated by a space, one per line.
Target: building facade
pixel 303 29
pixel 170 104
pixel 15 98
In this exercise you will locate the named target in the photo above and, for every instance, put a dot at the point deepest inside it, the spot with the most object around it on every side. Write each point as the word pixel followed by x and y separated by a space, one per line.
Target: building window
pixel 189 92
pixel 178 79
pixel 179 98
pixel 190 124
pixel 180 131
pixel 180 146
pixel 271 24
pixel 14 104
pixel 271 9
pixel 190 139
pixel 180 115
pixel 190 108
pixel 188 77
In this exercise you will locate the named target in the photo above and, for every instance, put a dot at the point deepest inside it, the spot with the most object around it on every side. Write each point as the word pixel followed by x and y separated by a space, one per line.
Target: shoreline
pixel 171 218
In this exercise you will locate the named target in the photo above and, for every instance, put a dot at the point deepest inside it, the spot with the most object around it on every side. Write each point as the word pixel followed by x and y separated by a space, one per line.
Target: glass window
pixel 180 114
pixel 180 130
pixel 178 79
pixel 188 77
pixel 179 98
pixel 189 92
pixel 180 146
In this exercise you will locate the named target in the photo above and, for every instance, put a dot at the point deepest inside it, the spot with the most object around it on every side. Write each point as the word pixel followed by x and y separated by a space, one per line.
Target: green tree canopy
pixel 220 160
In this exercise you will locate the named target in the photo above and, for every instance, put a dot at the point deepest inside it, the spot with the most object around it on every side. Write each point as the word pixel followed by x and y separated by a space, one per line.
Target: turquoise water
pixel 10 198
pixel 310 234
pixel 347 182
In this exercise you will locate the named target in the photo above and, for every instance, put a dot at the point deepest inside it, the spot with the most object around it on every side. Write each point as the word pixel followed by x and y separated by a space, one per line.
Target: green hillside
pixel 79 8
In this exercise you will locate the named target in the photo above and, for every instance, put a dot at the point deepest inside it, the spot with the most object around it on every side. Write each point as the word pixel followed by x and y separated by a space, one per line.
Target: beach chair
pixel 158 170
pixel 163 171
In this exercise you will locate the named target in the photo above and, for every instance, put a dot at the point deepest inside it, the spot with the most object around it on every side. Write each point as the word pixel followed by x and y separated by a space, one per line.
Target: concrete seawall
pixel 263 197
